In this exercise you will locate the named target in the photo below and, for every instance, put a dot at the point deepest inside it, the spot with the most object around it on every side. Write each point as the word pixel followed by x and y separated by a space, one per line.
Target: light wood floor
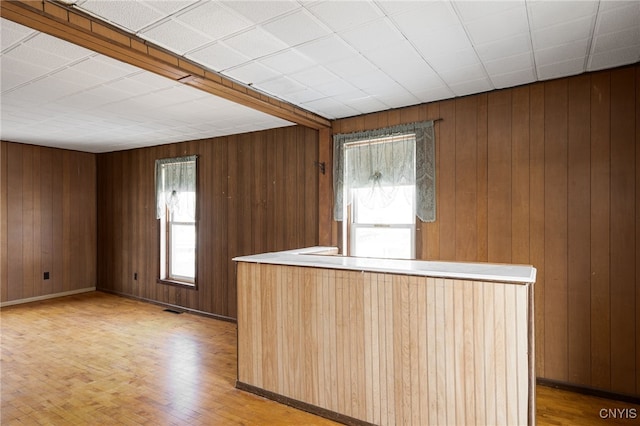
pixel 101 359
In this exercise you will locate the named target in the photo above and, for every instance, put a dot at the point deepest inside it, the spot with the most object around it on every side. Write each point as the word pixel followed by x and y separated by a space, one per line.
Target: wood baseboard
pixel 588 391
pixel 169 305
pixel 46 297
pixel 309 408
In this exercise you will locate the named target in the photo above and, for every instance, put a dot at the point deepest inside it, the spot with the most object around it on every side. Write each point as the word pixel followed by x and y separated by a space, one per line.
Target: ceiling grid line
pixel 533 52
pixel 466 31
pixel 314 60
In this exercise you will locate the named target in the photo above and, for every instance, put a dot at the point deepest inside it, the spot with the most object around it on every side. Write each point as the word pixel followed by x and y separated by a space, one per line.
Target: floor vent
pixel 173 311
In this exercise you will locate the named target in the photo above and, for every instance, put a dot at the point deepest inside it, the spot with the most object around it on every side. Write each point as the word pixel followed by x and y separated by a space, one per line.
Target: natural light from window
pixel 383 222
pixel 182 240
pixel 176 205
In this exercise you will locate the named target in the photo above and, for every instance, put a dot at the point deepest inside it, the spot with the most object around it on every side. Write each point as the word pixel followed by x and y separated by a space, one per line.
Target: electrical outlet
pixel 46 275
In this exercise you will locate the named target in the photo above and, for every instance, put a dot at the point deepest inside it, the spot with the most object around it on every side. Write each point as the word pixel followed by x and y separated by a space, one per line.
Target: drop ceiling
pixel 333 58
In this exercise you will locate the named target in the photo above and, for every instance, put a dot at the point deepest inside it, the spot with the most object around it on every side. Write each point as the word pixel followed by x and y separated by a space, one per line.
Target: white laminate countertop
pixel 324 257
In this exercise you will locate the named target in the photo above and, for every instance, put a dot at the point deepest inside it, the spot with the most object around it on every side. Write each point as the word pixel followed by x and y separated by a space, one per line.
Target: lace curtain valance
pixel 175 176
pixel 387 158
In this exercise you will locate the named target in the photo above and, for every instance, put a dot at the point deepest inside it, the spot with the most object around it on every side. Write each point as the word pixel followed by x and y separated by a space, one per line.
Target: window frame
pixel 164 245
pixel 350 225
pixel 353 226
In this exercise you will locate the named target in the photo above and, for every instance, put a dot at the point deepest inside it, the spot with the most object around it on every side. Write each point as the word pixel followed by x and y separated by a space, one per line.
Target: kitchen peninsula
pixel 382 341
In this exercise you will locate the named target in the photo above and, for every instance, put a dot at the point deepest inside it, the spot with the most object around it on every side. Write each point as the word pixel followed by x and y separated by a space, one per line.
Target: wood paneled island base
pixel 388 342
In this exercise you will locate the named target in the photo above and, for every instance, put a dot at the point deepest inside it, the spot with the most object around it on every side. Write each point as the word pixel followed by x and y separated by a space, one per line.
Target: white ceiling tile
pixel 313 77
pixel 393 7
pixel 132 15
pixel 175 36
pixel 352 67
pixel 77 76
pixel 561 69
pixel 327 50
pixel 433 94
pixel 472 10
pixel 370 82
pixel 368 105
pixel 574 50
pixel 396 97
pixel 251 73
pixel 181 93
pixel 353 95
pixel 616 40
pixel 616 19
pixel 296 28
pixel 335 88
pixel 510 46
pixel 373 35
pixel 13 33
pixel 330 108
pixel 472 72
pixel 453 61
pixel 509 64
pixel 469 87
pixel 214 20
pixel 361 101
pixel 106 94
pixel 425 82
pixel 61 109
pixel 33 113
pixel 51 45
pixel 20 108
pixel 51 88
pixel 343 15
pixel 287 61
pixel 420 52
pixel 401 61
pixel 10 80
pixel 614 58
pixel 260 11
pixel 515 78
pixel 169 7
pixel 255 43
pixel 442 42
pixel 27 54
pixel 153 81
pixel 305 95
pixel 545 13
pixel 22 71
pixel 429 18
pixel 580 29
pixel 506 24
pixel 84 101
pixel 104 68
pixel 67 105
pixel 614 4
pixel 281 86
pixel 217 56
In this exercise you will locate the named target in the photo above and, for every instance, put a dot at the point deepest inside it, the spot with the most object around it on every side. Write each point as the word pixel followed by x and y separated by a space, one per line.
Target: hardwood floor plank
pixel 97 358
pixel 103 359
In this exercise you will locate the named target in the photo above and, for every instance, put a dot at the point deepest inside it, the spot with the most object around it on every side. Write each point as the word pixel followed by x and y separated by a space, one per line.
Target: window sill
pixel 177 283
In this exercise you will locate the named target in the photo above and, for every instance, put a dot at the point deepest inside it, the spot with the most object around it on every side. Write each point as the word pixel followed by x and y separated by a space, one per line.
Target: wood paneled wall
pixel 548 174
pixel 258 192
pixel 47 221
pixel 387 349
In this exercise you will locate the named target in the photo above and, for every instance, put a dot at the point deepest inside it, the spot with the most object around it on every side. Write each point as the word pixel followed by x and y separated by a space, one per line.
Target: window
pixel 383 229
pixel 381 197
pixel 176 199
pixel 383 179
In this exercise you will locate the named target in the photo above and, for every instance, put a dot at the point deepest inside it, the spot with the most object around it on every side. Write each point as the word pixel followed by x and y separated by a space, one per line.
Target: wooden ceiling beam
pixel 84 30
